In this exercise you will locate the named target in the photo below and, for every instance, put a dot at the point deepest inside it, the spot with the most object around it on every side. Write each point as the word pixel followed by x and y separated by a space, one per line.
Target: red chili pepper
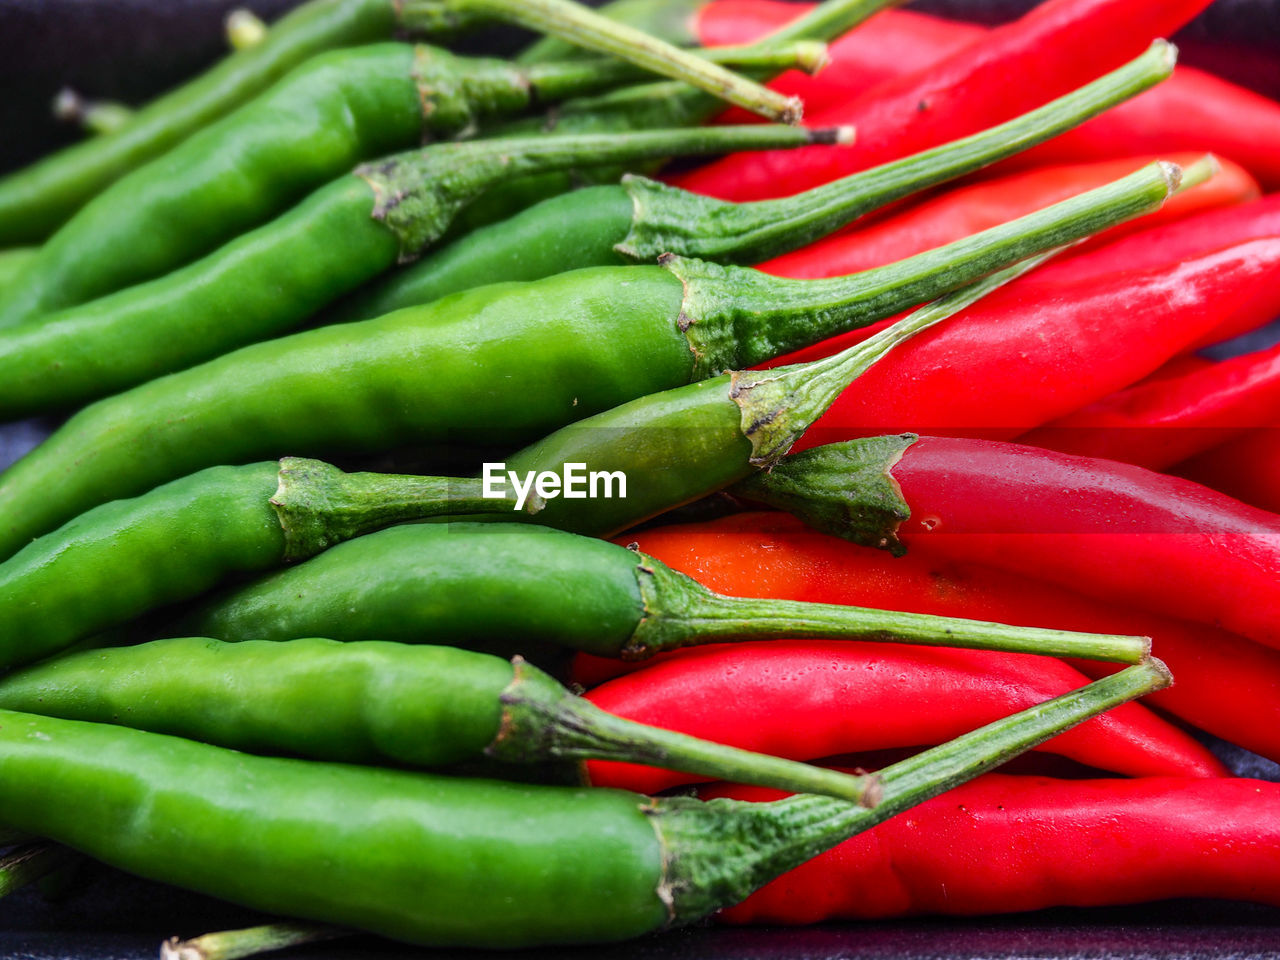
pixel 1165 419
pixel 1037 350
pixel 890 43
pixel 1225 684
pixel 808 699
pixel 1008 71
pixel 1002 844
pixel 1193 110
pixel 1107 529
pixel 969 209
pixel 1247 468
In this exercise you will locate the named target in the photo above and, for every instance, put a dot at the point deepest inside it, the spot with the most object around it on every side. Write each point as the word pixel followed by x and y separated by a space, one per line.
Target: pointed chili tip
pixel 792 111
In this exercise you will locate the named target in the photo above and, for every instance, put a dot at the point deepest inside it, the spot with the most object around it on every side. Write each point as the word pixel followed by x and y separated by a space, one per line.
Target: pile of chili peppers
pixel 713 545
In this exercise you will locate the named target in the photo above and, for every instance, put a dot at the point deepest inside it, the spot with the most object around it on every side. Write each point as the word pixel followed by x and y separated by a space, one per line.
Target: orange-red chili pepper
pixel 979 206
pixel 1003 844
pixel 808 699
pixel 1225 684
pixel 998 76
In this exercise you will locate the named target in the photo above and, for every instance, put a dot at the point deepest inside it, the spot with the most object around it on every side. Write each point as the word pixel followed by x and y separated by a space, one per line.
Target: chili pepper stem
pixel 586 28
pixel 541 720
pixel 319 505
pixel 248 942
pixel 29 863
pixel 719 852
pixel 418 193
pixel 782 315
pixel 680 612
pixel 667 218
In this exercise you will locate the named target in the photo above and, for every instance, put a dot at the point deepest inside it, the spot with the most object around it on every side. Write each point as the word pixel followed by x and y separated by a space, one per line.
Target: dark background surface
pixel 132 49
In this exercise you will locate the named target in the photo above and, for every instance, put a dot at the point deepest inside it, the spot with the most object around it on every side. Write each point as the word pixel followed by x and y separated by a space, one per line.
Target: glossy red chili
pixel 969 209
pixel 1168 418
pixel 1107 529
pixel 1194 110
pixel 1247 468
pixel 1225 684
pixel 808 699
pixel 1037 350
pixel 1003 844
pixel 1006 72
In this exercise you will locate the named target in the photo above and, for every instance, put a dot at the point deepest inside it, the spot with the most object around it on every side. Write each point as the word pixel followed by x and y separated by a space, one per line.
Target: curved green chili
pixel 455 861
pixel 126 557
pixel 272 278
pixel 13 262
pixel 637 221
pixel 329 114
pixel 560 348
pixel 485 585
pixel 384 702
pixel 35 201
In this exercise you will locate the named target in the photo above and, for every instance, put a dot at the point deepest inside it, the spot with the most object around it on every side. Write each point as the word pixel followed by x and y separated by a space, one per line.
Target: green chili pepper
pixel 499 364
pixel 272 278
pixel 126 557
pixel 485 586
pixel 37 200
pixel 637 221
pixel 384 702
pixel 13 262
pixel 316 124
pixel 455 862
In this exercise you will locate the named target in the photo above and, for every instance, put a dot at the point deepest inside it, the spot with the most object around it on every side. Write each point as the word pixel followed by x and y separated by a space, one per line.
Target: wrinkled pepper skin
pixel 1005 844
pixel 37 200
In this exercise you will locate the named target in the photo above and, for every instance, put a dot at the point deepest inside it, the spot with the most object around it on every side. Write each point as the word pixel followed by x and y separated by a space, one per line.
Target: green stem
pixel 670 219
pixel 680 612
pixel 1197 173
pixel 28 864
pixel 586 28
pixel 830 19
pixel 244 29
pixel 542 721
pixel 673 20
pixel 554 81
pixel 319 505
pixel 721 851
pixel 236 944
pixel 93 116
pixel 736 317
pixel 419 193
